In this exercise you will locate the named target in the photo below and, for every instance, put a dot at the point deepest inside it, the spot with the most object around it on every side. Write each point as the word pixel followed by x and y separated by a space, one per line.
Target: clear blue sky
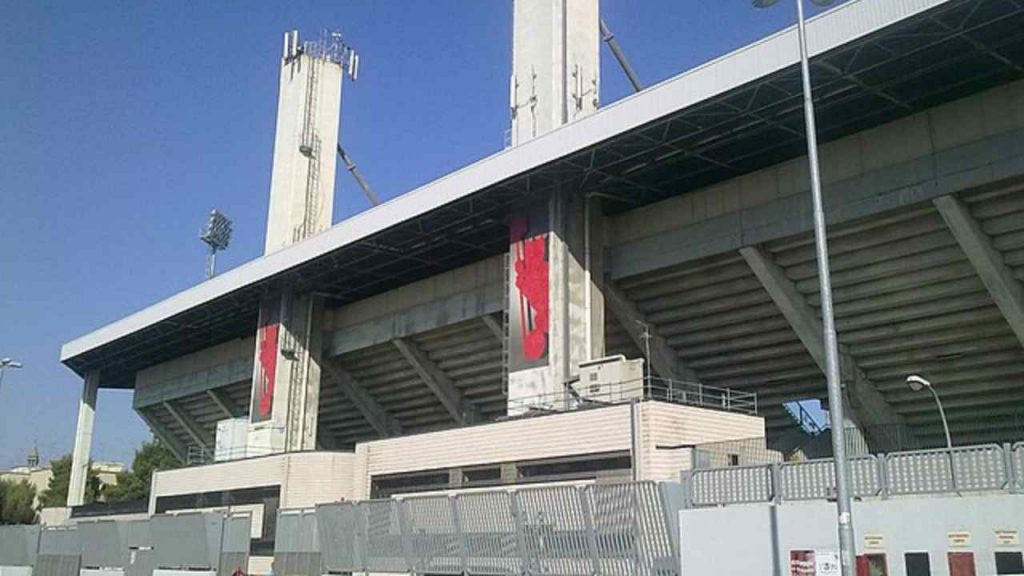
pixel 123 123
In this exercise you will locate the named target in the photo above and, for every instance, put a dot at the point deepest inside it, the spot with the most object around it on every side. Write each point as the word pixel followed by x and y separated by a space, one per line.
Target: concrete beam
pixel 664 360
pixel 175 445
pixel 190 425
pixel 375 414
pixel 81 455
pixel 226 405
pixel 869 408
pixel 495 327
pixel 985 162
pixel 461 411
pixel 987 261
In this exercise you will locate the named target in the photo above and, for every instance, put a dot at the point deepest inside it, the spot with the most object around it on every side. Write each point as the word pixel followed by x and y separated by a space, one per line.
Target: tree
pixel 56 493
pixel 16 501
pixel 134 484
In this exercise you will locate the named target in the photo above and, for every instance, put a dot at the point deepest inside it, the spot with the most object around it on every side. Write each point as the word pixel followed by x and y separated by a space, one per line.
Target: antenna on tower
pixel 216 235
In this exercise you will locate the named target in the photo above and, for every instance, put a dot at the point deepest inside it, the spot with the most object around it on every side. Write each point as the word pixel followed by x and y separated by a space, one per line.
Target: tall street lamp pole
pixel 832 374
pixel 6 363
pixel 918 383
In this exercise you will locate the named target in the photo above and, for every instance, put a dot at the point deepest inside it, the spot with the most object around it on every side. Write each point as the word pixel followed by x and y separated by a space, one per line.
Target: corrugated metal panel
pixel 190 541
pixel 59 552
pixel 18 545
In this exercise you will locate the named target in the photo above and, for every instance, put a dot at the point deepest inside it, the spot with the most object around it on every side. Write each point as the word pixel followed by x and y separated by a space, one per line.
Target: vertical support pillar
pixel 556 308
pixel 286 378
pixel 83 439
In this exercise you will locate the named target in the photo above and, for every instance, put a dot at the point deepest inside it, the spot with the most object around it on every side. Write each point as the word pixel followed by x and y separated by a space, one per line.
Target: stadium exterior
pixel 419 352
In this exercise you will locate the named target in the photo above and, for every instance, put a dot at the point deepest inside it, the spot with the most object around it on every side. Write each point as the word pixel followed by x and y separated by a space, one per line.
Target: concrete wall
pixel 213 367
pixel 962 144
pixel 558 435
pixel 468 292
pixel 668 430
pixel 306 478
pixel 756 539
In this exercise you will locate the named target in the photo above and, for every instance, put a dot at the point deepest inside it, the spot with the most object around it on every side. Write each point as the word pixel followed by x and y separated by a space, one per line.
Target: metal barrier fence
pixel 297 543
pixel 196 541
pixel 18 545
pixel 982 468
pixel 569 530
pixel 59 552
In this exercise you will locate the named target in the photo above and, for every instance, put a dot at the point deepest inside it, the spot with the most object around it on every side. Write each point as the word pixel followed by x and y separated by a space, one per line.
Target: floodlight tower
pixel 216 235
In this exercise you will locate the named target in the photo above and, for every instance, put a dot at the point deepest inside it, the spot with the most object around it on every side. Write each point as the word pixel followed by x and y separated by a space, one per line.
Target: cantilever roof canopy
pixel 872 61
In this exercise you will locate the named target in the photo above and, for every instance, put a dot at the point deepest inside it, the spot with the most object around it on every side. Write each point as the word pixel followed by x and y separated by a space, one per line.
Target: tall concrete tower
pixel 555 67
pixel 286 375
pixel 308 110
pixel 556 308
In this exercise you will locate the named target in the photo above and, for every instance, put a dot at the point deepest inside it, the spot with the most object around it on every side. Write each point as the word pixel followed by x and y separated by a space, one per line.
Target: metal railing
pixel 201 456
pixel 965 469
pixel 580 396
pixel 585 530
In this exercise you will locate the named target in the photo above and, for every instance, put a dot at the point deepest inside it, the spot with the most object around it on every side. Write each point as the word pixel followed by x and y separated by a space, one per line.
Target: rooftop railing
pixel 581 396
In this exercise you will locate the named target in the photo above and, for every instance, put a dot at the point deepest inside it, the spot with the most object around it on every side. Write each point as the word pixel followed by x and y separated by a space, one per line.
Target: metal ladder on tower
pixel 309 146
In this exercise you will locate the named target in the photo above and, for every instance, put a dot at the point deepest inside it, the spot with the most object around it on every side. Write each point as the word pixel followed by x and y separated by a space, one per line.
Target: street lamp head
pixel 917 383
pixel 8 363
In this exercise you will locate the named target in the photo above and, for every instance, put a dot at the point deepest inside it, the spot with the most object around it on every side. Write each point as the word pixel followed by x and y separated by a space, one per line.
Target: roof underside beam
pixel 382 422
pixel 494 326
pixel 1006 291
pixel 175 445
pixel 451 398
pixel 664 361
pixel 224 403
pixel 201 438
pixel 869 407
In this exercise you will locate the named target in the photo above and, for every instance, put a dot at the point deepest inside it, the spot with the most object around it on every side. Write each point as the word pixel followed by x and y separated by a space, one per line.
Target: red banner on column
pixel 265 371
pixel 529 287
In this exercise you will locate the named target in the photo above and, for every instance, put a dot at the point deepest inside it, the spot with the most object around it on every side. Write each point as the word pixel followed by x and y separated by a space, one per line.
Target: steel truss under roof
pixel 872 61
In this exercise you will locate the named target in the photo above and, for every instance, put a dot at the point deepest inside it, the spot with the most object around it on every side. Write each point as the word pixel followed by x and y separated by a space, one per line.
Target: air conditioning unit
pixel 611 379
pixel 232 438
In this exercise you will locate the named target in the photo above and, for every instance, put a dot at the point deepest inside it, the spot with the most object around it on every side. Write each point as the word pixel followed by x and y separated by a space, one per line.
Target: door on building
pixel 872 565
pixel 961 564
pixel 1009 563
pixel 917 564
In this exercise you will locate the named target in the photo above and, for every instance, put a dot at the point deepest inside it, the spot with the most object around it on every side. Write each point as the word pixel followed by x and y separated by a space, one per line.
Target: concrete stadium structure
pixel 673 226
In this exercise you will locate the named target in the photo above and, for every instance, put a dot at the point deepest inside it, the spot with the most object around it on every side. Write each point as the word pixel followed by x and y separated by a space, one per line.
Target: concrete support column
pixel 286 378
pixel 556 307
pixel 83 439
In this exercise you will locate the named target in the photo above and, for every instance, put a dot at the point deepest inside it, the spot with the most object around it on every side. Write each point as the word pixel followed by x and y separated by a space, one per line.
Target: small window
pixel 734 459
pixel 918 564
pixel 1009 563
pixel 961 564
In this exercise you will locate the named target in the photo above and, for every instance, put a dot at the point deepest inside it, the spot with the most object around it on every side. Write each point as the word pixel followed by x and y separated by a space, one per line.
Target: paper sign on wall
pixel 826 563
pixel 813 563
pixel 874 541
pixel 958 539
pixel 1007 538
pixel 801 563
